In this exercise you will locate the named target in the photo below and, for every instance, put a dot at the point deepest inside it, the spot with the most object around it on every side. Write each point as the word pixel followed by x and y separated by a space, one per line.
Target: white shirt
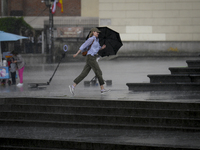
pixel 94 48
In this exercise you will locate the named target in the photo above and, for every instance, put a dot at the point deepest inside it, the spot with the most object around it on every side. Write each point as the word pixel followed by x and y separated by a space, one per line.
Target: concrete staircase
pixel 98 114
pixel 180 79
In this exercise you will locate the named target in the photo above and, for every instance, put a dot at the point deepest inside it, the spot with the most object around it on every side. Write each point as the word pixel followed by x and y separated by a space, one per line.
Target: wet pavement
pixel 120 71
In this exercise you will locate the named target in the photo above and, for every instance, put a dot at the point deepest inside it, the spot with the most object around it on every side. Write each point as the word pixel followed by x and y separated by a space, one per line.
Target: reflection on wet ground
pixel 120 71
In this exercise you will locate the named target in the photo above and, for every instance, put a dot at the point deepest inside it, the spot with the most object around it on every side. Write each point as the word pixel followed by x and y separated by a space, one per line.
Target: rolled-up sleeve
pixel 86 44
pixel 100 47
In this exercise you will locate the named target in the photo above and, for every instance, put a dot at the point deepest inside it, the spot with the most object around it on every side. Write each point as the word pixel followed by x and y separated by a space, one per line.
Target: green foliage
pixel 13 25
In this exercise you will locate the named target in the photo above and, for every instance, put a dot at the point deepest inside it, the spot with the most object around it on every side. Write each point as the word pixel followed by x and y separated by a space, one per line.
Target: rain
pixel 133 70
pixel 133 40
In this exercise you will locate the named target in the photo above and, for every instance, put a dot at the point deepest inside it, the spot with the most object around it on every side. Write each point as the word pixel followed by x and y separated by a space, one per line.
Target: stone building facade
pixel 147 27
pixel 152 20
pixel 37 8
pixel 152 27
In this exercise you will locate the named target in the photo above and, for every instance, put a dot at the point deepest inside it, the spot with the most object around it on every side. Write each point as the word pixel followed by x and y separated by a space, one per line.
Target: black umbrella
pixel 111 39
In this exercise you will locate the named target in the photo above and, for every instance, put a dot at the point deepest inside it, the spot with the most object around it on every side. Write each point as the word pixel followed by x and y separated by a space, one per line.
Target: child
pixel 13 71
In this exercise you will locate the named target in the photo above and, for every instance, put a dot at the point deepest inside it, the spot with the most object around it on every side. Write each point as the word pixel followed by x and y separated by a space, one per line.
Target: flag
pixel 53 9
pixel 60 4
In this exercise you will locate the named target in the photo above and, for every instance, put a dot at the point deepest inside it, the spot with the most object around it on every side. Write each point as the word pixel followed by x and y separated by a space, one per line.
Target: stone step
pixel 37 144
pixel 97 103
pixel 54 117
pixel 100 120
pixel 91 125
pixel 8 147
pixel 99 113
pixel 185 70
pixel 167 78
pixel 179 86
pixel 193 63
pixel 180 79
pixel 195 77
pixel 96 114
pixel 174 78
pixel 90 110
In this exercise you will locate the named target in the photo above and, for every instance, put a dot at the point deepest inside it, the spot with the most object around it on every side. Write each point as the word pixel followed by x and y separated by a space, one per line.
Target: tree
pixel 14 25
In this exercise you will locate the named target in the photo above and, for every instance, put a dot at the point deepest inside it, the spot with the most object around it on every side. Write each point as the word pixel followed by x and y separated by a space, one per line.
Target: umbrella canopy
pixel 111 39
pixel 4 36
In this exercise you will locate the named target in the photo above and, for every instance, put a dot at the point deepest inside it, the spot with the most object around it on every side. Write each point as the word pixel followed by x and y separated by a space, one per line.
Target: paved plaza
pixel 120 71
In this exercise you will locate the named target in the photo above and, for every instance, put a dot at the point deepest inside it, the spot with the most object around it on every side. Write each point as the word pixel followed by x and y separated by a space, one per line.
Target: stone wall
pixel 160 48
pixel 32 59
pixel 152 20
pixel 90 8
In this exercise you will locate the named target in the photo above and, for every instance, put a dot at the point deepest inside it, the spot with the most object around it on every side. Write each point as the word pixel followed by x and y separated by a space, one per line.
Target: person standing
pixel 30 48
pixel 93 46
pixel 20 66
pixel 13 71
pixel 39 44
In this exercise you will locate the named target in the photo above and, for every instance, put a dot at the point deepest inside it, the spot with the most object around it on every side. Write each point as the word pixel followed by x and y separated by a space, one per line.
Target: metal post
pixel 51 38
pixel 42 42
pixel 51 28
pixel 4 8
